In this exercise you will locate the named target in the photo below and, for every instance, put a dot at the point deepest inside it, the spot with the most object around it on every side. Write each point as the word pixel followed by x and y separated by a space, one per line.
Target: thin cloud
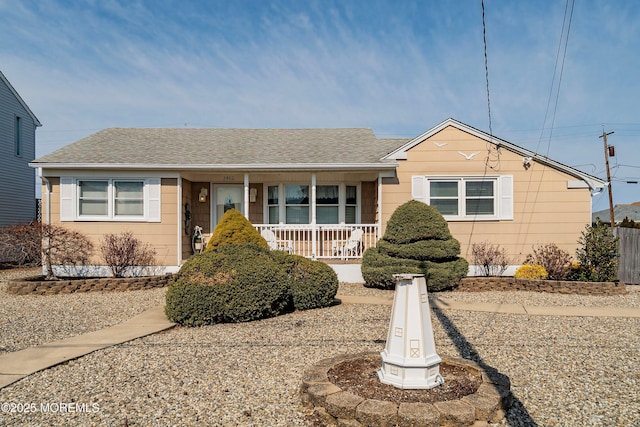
pixel 397 67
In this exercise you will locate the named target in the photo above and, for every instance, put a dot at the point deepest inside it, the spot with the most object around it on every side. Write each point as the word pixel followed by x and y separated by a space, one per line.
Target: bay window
pixel 334 204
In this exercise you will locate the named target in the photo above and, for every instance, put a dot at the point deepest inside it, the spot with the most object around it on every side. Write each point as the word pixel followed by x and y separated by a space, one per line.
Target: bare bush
pixel 556 261
pixel 490 260
pixel 124 252
pixel 61 246
pixel 21 244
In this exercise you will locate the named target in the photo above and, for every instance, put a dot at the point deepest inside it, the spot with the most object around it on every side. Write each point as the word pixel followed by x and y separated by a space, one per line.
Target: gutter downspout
pixel 48 192
pixel 48 208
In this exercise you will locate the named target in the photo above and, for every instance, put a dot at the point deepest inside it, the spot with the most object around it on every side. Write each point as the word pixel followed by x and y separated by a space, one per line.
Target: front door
pixel 225 197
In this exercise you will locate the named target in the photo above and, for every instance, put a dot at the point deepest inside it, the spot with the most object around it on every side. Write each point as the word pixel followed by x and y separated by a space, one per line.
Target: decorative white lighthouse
pixel 409 360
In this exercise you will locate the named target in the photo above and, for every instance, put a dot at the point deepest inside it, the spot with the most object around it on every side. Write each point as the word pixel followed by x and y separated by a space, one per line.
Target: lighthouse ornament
pixel 409 360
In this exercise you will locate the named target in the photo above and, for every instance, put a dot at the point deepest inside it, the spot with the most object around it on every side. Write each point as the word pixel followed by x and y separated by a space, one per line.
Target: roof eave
pixel 214 167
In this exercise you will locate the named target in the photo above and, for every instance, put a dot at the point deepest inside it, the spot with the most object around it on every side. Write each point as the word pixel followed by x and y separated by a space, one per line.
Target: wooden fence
pixel 629 263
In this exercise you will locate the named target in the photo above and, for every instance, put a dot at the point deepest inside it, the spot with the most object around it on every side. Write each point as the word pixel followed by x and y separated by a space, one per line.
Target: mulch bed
pixel 360 377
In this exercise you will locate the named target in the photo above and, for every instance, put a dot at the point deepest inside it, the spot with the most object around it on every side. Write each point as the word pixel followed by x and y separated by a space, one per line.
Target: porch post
pixel 180 221
pixel 379 207
pixel 314 242
pixel 246 195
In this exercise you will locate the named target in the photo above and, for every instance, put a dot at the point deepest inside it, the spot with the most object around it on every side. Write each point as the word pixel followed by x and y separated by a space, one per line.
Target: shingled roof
pixel 185 147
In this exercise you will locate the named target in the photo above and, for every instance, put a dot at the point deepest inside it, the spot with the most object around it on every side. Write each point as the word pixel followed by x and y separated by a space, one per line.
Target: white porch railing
pixel 329 241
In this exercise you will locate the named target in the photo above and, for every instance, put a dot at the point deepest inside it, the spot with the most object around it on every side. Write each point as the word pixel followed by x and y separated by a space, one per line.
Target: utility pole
pixel 606 160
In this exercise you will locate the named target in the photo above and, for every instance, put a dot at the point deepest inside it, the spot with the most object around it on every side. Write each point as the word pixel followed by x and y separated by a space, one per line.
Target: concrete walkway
pixel 17 365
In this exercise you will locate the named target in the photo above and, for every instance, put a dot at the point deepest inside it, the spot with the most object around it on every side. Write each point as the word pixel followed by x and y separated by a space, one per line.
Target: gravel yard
pixel 564 370
pixel 31 320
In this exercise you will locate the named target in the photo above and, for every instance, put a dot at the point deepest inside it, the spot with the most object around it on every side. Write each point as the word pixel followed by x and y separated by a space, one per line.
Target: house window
pixel 18 136
pixel 111 199
pixel 297 204
pixel 444 196
pixel 272 204
pixel 351 205
pixel 128 198
pixel 334 204
pixel 479 197
pixel 461 198
pixel 327 204
pixel 93 198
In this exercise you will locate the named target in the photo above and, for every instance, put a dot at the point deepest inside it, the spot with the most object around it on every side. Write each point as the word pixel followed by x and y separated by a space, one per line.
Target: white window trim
pixel 342 189
pixel 69 200
pixel 502 197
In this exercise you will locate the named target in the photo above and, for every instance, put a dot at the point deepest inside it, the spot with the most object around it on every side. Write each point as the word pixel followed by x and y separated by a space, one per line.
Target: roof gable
pixel 20 100
pixel 401 152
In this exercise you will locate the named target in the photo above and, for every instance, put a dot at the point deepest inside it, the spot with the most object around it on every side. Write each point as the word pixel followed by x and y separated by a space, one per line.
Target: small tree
pixel 556 261
pixel 64 247
pixel 598 254
pixel 489 259
pixel 121 252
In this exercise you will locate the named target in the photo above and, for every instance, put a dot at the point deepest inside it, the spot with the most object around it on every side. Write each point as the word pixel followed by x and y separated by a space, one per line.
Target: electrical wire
pixel 536 192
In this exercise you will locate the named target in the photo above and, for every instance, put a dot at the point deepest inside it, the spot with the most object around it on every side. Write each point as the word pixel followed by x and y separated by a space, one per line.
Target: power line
pixel 486 68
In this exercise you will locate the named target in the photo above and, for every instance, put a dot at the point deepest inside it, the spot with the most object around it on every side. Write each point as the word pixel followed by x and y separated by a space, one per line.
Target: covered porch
pixel 332 215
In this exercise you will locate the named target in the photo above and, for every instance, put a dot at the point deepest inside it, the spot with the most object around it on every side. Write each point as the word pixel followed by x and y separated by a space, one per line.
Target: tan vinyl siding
pixel 160 235
pixel 545 210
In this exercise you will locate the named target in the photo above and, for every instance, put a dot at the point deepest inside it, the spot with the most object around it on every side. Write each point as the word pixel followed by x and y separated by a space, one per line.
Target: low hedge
pixel 234 283
pixel 313 283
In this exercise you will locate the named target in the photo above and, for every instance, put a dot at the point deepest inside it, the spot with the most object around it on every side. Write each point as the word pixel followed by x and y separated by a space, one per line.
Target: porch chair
pixel 353 245
pixel 274 243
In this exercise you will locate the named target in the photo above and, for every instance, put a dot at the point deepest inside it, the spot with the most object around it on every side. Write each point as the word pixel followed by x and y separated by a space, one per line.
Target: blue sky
pixel 397 67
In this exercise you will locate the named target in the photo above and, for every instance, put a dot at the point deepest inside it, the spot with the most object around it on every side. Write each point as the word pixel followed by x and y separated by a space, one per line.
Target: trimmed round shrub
pixel 234 283
pixel 415 221
pixel 422 250
pixel 417 241
pixel 439 275
pixel 313 283
pixel 531 271
pixel 234 228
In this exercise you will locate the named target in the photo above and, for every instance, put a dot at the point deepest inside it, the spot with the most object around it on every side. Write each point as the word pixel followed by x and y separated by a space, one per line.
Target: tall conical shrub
pixel 417 241
pixel 234 228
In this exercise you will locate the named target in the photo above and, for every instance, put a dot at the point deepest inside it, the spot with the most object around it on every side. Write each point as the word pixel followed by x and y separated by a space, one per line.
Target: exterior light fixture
pixel 202 197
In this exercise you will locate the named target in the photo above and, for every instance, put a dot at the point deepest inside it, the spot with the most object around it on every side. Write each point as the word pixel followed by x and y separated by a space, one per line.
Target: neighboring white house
pixel 17 148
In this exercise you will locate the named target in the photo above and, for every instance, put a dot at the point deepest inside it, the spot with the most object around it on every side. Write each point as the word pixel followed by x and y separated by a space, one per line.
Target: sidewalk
pixel 17 365
pixel 444 303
